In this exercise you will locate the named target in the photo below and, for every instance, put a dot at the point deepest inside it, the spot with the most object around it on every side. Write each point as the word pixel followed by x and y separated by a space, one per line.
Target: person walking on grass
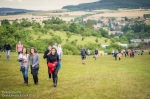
pixel 130 53
pixel 113 52
pixel 96 53
pixel 83 55
pixel 55 46
pixel 19 47
pixel 47 52
pixel 133 53
pixel 7 48
pixel 119 56
pixel 142 52
pixel 23 59
pixel 89 52
pixel 125 54
pixel 53 60
pixel 115 55
pixel 34 60
pixel 60 52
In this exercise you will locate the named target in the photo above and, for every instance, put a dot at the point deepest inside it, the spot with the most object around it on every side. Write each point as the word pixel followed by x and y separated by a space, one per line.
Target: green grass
pixel 73 37
pixel 101 79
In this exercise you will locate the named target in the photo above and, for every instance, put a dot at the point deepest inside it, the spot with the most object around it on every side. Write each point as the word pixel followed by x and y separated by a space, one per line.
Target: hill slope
pixel 110 4
pixel 8 10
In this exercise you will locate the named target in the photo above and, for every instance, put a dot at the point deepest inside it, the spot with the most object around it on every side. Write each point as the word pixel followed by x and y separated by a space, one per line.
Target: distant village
pixel 114 25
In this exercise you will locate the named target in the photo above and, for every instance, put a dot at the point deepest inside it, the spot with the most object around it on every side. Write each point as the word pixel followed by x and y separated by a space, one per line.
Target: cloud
pixel 41 4
pixel 19 0
pixel 10 0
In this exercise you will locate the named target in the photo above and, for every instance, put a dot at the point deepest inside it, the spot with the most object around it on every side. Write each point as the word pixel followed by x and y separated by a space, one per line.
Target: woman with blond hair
pixel 59 51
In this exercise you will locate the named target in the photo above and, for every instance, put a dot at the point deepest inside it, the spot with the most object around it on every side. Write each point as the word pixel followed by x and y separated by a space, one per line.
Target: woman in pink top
pixel 19 47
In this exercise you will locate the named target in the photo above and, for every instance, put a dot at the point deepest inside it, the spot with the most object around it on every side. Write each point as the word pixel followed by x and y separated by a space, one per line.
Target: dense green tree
pixel 5 22
pixel 89 24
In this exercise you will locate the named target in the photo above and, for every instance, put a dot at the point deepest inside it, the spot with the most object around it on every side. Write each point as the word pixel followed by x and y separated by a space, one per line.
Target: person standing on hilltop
pixel 83 55
pixel 47 52
pixel 7 48
pixel 19 47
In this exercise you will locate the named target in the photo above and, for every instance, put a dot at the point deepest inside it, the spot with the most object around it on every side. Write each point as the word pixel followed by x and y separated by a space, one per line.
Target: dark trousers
pixel 49 73
pixel 34 72
pixel 54 75
pixel 115 58
pixel 35 78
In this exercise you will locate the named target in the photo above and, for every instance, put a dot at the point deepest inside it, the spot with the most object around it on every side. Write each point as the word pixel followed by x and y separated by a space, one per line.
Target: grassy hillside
pixel 101 79
pixel 73 37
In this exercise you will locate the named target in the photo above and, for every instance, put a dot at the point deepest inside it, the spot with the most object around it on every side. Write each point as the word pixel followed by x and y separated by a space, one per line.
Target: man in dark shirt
pixel 7 48
pixel 96 54
pixel 46 54
pixel 83 55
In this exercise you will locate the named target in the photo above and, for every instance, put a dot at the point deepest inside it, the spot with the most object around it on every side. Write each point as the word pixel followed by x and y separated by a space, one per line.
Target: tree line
pixel 23 31
pixel 110 4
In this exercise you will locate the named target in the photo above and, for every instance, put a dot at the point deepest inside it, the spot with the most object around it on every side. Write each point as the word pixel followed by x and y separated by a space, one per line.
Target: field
pixel 67 15
pixel 101 79
pixel 121 13
pixel 73 37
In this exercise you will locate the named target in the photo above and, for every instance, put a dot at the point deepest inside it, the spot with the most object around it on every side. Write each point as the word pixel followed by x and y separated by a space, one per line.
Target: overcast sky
pixel 41 4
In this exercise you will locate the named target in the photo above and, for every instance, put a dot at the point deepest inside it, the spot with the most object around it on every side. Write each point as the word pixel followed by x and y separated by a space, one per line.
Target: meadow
pixel 104 78
pixel 78 37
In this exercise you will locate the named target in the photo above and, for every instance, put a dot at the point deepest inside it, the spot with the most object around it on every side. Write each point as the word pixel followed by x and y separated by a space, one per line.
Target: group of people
pixel 130 53
pixel 31 60
pixel 53 56
pixel 84 53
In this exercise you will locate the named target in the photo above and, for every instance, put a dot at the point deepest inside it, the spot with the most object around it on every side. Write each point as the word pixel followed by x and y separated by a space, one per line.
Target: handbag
pixel 23 69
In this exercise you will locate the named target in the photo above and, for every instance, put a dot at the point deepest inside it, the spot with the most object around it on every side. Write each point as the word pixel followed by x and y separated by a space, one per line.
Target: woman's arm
pixel 45 55
pixel 38 60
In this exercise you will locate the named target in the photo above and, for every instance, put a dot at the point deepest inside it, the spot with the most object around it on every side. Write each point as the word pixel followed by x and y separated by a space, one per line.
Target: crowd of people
pixel 31 60
pixel 126 53
pixel 53 55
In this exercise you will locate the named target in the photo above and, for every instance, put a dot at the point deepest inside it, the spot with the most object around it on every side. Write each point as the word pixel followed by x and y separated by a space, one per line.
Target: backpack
pixel 96 51
pixel 115 54
pixel 82 52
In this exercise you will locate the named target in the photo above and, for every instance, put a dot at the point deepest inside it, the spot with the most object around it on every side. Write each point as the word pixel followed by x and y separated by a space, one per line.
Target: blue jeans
pixel 25 73
pixel 8 54
pixel 60 56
